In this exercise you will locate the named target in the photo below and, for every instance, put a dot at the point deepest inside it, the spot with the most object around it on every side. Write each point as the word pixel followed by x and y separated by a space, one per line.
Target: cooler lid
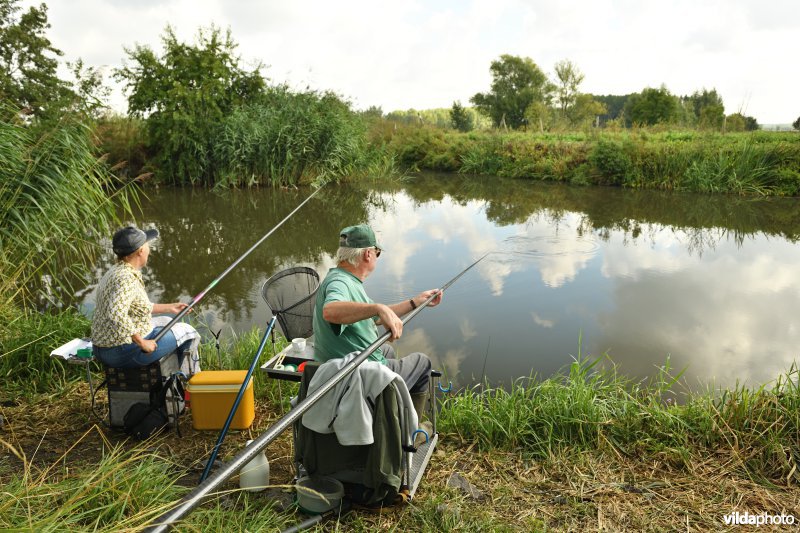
pixel 218 377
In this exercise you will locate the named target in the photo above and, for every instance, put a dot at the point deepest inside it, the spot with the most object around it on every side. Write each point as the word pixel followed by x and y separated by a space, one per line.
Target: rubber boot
pixel 419 399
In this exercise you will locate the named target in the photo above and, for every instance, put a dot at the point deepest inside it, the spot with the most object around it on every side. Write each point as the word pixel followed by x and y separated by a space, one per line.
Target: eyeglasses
pixel 377 252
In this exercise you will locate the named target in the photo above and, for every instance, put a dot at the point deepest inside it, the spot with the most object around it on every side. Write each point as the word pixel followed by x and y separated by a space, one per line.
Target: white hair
pixel 354 256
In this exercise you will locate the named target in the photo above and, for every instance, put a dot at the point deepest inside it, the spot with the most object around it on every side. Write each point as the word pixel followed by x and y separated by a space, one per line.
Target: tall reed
pixel 57 200
pixel 287 138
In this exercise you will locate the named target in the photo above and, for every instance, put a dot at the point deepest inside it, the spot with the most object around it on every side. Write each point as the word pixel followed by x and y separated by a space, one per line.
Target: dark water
pixel 709 283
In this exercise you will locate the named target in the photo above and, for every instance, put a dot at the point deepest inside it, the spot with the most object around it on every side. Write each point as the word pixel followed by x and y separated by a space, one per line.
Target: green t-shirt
pixel 337 340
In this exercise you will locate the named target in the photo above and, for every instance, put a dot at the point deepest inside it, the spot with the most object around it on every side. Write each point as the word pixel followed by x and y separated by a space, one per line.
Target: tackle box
pixel 212 393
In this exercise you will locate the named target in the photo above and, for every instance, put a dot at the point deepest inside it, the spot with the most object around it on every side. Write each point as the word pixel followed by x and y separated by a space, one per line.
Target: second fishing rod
pixel 233 265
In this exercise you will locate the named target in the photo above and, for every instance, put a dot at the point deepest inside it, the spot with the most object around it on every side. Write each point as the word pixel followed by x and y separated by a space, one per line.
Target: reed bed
pixel 282 138
pixel 288 139
pixel 756 163
pixel 57 199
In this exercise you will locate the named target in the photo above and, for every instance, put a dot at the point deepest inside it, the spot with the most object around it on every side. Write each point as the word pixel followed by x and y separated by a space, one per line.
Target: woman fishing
pixel 122 327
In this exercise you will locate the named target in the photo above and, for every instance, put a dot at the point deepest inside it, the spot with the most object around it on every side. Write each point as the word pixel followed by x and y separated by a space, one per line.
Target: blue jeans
pixel 131 356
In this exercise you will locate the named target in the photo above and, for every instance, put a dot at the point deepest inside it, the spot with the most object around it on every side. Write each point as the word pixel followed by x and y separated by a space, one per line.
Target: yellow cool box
pixel 212 393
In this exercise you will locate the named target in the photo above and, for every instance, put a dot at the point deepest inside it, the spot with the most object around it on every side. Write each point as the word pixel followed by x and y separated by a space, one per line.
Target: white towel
pixel 345 409
pixel 183 332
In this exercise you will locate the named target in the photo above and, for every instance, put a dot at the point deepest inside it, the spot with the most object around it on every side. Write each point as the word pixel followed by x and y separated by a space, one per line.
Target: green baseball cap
pixel 360 236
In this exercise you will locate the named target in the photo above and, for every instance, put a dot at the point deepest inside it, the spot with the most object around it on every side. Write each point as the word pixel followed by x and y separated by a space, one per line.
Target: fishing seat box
pixel 127 386
pixel 212 393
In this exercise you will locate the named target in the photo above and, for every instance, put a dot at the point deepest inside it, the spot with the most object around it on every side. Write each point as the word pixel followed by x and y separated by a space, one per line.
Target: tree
pixel 652 106
pixel 28 61
pixel 538 114
pixel 740 122
pixel 568 79
pixel 796 124
pixel 372 113
pixel 708 109
pixel 460 118
pixel 516 83
pixel 584 110
pixel 184 94
pixel 615 104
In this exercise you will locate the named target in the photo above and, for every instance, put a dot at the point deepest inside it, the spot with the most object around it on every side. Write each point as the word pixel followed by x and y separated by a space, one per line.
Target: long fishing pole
pixel 211 285
pixel 194 498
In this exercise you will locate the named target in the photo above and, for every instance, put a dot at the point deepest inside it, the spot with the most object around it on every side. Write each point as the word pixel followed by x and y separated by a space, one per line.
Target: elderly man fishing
pixel 346 319
pixel 122 325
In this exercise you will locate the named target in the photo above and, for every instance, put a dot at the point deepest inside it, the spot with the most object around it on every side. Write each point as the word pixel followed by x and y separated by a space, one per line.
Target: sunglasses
pixel 377 252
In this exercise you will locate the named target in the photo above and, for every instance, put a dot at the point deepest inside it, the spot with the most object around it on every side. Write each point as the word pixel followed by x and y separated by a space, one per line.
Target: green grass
pixel 589 408
pixel 26 340
pixel 587 422
pixel 126 490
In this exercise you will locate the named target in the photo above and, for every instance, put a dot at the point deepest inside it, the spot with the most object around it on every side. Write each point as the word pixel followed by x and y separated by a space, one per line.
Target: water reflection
pixel 644 276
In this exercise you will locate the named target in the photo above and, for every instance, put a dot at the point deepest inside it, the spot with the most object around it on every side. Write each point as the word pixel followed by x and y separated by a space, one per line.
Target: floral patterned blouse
pixel 123 308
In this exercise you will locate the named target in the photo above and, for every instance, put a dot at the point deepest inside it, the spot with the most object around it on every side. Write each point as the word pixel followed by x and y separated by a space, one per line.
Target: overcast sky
pixel 426 54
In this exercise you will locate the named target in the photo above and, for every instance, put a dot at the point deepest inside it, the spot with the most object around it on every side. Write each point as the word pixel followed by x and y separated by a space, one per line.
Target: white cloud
pixel 396 237
pixel 427 54
pixel 539 321
pixel 704 313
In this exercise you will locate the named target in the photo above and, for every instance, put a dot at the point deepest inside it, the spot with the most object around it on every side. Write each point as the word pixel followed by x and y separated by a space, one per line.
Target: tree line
pixel 522 96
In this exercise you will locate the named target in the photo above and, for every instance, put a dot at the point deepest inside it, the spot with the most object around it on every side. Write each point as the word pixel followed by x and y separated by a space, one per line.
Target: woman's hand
pixel 171 308
pixel 177 307
pixel 148 346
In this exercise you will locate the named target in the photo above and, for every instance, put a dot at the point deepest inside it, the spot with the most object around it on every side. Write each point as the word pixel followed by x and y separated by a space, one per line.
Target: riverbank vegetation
pixel 56 200
pixel 545 128
pixel 583 449
pixel 207 121
pixel 759 163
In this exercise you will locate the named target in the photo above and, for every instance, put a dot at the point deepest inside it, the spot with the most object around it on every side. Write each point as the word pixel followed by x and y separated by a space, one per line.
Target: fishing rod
pixel 211 285
pixel 194 498
pixel 238 399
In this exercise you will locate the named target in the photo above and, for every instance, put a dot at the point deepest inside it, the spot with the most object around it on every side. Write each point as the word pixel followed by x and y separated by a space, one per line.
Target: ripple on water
pixel 548 246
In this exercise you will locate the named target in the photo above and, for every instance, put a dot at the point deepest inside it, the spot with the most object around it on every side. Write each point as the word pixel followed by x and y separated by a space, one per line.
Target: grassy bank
pixel 759 163
pixel 586 449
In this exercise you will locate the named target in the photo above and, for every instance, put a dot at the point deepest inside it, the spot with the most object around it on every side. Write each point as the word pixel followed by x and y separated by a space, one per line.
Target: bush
pixel 611 162
pixel 122 141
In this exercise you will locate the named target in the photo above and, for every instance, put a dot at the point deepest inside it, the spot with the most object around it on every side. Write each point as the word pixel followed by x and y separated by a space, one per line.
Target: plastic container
pixel 213 393
pixel 325 493
pixel 254 476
